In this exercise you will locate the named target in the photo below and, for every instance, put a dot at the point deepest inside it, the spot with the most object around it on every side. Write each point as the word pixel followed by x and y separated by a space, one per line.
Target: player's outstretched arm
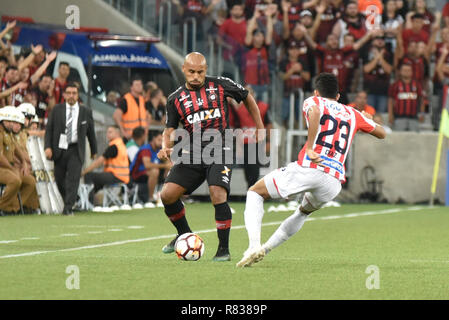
pixel 379 131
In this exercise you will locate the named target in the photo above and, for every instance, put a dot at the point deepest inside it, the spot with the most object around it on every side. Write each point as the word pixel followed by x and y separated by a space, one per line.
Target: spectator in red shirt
pixel 405 103
pixel 420 6
pixel 232 34
pixel 9 80
pixel 445 13
pixel 61 81
pixel 294 71
pixel 331 58
pixel 43 97
pixel 377 68
pixel 291 12
pixel 328 19
pixel 416 32
pixel 256 68
pixel 417 54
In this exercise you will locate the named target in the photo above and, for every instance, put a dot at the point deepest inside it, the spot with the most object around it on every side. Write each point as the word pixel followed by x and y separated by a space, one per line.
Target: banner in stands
pixel 128 54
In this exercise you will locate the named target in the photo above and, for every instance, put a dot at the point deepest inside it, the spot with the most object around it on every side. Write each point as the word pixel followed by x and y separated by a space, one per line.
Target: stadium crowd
pixel 390 58
pixel 396 51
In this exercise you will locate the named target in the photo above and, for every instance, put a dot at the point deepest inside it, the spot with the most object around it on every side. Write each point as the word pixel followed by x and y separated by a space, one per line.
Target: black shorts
pixel 191 176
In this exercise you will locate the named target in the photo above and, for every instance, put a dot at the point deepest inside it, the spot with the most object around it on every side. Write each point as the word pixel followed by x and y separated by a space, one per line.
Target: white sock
pixel 253 217
pixel 288 228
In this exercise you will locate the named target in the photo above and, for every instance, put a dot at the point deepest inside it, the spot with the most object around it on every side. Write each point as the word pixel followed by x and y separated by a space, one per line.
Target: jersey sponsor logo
pixel 331 163
pixel 204 115
pixel 407 96
pixel 337 110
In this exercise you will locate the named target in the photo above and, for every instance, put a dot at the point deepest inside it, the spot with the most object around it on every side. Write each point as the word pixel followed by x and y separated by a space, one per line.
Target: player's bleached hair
pixel 327 85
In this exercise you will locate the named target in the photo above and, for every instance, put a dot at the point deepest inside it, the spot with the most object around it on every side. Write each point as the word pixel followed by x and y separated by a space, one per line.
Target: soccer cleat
pixel 170 247
pixel 222 255
pixel 251 257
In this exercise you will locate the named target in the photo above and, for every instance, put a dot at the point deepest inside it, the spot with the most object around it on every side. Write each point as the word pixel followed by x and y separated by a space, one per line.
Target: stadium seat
pixel 116 195
pixel 133 193
pixel 83 194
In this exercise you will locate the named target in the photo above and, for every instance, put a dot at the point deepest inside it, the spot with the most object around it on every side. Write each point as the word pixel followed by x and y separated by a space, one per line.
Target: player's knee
pixel 167 198
pixel 260 189
pixel 218 194
pixel 308 204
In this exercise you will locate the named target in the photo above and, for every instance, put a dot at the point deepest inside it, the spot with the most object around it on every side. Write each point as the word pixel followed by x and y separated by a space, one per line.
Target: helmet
pixel 27 109
pixel 3 114
pixel 17 116
pixel 35 119
pixel 6 112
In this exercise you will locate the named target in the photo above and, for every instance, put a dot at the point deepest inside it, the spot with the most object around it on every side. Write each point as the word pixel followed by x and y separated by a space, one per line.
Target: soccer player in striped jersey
pixel 318 172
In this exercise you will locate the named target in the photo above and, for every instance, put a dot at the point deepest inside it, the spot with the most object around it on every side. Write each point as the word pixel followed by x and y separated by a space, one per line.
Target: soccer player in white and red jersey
pixel 318 172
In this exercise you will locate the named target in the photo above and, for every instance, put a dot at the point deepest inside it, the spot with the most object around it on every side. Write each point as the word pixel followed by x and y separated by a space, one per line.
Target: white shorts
pixel 319 187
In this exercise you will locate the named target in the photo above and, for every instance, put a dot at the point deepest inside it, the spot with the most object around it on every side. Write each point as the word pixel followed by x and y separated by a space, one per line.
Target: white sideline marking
pixel 429 261
pixel 69 235
pixel 169 236
pixel 8 241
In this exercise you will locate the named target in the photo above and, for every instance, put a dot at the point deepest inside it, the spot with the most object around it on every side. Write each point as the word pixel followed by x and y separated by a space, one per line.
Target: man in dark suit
pixel 65 142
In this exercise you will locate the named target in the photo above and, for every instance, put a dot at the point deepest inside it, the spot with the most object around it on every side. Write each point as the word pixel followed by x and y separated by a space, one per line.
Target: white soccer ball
pixel 189 246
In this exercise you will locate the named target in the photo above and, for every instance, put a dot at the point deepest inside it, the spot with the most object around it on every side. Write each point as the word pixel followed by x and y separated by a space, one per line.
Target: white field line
pixel 169 236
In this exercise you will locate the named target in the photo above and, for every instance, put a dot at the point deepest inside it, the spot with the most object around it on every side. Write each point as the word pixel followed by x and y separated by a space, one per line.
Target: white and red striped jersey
pixel 338 125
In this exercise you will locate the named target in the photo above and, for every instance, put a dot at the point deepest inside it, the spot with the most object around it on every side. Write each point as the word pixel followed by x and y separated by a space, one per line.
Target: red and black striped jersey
pixel 407 98
pixel 204 108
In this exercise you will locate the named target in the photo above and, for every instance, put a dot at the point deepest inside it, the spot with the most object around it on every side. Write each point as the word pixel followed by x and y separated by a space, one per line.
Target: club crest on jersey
pixel 203 115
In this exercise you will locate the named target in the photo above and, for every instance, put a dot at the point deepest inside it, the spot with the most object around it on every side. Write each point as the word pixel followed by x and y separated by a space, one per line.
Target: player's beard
pixel 196 86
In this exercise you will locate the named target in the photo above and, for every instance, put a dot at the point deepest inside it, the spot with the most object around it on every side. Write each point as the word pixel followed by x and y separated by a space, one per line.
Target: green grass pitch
pixel 118 256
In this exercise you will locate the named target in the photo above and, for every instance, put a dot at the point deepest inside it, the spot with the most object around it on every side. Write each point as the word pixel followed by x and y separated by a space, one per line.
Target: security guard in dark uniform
pixel 15 171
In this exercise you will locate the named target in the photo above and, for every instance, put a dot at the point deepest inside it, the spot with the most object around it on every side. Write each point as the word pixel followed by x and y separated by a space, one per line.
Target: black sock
pixel 223 219
pixel 176 213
